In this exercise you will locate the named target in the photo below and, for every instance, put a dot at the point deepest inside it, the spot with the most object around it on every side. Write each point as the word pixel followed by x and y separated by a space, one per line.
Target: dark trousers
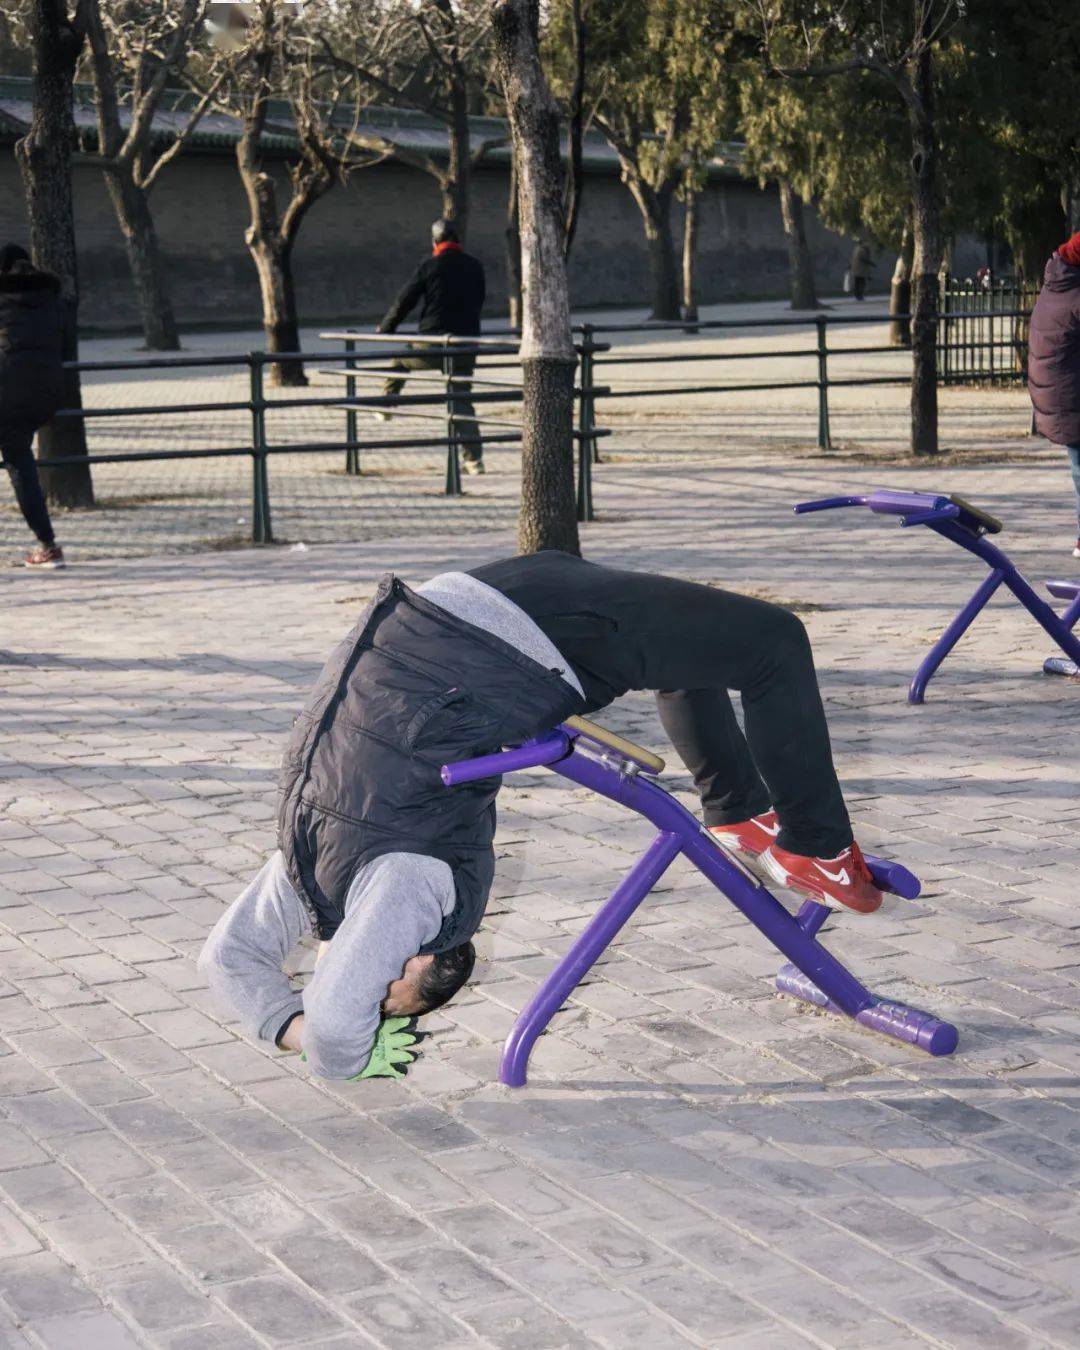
pixel 462 408
pixel 625 630
pixel 859 287
pixel 17 451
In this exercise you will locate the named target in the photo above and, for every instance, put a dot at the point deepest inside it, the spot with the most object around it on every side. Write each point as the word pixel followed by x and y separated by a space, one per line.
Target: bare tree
pixel 272 55
pixel 429 55
pixel 137 48
pixel 547 517
pixel 44 158
pixel 823 38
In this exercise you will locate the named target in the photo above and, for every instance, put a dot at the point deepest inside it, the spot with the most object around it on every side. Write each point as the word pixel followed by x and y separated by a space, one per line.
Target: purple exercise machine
pixel 954 518
pixel 617 769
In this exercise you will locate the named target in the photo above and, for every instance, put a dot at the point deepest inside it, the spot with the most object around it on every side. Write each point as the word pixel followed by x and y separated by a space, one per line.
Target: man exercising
pixel 392 870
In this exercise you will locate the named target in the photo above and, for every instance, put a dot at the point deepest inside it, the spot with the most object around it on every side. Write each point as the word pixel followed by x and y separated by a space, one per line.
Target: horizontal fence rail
pixel 441 406
pixel 983 342
pixel 976 346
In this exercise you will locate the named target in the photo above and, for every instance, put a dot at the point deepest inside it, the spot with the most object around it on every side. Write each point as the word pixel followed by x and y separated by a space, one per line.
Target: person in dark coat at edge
pixel 450 285
pixel 30 386
pixel 1054 358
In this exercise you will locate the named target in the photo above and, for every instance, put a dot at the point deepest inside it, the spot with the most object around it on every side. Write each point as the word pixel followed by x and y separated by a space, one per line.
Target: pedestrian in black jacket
pixel 30 385
pixel 450 285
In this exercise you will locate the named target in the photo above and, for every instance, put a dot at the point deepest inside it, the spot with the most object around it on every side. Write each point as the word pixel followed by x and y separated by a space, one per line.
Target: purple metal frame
pixel 812 974
pixel 948 518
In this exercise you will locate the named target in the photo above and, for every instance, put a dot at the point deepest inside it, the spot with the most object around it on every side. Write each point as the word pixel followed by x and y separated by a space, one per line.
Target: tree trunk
pixel 800 267
pixel 144 258
pixel 281 323
pixel 513 250
pixel 575 160
pixel 689 256
pixel 548 515
pixel 454 187
pixel 655 207
pixel 926 230
pixel 1037 230
pixel 900 292
pixel 44 156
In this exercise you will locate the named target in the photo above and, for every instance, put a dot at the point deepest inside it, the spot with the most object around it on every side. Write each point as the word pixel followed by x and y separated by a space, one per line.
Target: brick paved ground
pixel 696 1162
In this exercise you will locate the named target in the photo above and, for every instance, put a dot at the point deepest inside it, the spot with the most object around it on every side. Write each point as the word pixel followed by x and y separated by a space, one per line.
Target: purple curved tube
pixel 827 504
pixel 890 876
pixel 898 1020
pixel 544 751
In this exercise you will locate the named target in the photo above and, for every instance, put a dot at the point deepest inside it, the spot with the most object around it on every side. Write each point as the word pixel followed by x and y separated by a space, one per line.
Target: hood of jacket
pixel 1058 275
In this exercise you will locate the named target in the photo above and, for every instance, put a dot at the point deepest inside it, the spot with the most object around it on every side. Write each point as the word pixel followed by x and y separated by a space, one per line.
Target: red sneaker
pixel 45 558
pixel 749 837
pixel 843 882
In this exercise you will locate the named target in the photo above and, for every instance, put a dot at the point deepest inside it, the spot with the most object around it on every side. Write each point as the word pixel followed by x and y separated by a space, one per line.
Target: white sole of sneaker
pixel 45 567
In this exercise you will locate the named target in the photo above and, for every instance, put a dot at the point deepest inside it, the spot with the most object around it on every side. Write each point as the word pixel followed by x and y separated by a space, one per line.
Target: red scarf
pixel 448 246
pixel 1070 252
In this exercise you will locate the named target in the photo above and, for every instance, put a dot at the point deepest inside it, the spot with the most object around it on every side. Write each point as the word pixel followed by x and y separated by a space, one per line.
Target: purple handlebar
pixel 544 751
pixel 887 501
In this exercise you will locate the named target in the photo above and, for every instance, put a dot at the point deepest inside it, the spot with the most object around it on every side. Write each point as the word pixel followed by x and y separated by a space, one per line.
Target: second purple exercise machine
pixel 618 769
pixel 958 521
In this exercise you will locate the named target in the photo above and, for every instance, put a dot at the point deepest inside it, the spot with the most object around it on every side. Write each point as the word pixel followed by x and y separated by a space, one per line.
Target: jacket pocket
pixel 428 717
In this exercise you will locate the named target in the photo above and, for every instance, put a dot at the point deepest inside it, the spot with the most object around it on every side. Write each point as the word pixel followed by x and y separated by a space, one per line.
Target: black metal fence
pixel 983 341
pixel 983 331
pixel 442 405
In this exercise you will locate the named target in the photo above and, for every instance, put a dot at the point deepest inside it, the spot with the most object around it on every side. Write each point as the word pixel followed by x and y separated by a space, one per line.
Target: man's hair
pixel 444 232
pixel 445 975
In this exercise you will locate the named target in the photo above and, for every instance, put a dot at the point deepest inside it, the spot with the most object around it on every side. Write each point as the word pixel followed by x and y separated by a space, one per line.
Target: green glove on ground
pixel 391 1055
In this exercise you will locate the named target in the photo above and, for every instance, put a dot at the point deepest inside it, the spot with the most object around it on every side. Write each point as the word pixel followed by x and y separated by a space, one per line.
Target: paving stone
pixel 323 1260
pixel 84 1331
pixel 400 1321
pixel 155 1298
pixel 41 1285
pixel 279 1310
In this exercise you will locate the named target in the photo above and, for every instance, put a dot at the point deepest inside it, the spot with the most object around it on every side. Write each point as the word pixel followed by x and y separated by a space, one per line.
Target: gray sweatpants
pixel 394 906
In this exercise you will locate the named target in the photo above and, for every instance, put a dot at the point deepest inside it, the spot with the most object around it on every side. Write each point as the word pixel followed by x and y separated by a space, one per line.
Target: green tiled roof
pixel 411 130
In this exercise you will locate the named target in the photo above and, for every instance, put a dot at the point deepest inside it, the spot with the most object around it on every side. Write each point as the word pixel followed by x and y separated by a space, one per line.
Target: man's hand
pixel 391 1055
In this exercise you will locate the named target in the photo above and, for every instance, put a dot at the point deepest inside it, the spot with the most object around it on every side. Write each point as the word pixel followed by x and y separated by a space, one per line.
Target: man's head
pixel 444 232
pixel 11 255
pixel 429 981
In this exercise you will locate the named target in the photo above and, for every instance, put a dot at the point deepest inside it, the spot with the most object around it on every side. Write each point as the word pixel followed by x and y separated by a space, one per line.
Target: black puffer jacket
pixel 451 286
pixel 31 322
pixel 410 689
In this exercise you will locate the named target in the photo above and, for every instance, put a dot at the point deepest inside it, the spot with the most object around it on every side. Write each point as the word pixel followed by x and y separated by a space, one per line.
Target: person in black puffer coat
pixel 31 372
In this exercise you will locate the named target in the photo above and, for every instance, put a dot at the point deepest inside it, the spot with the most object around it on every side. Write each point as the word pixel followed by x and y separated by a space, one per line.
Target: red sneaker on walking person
pixel 843 882
pixel 45 558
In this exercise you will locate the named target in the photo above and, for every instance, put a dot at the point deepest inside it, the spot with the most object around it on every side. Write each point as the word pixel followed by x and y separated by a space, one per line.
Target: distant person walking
pixel 451 286
pixel 862 264
pixel 30 386
pixel 1054 358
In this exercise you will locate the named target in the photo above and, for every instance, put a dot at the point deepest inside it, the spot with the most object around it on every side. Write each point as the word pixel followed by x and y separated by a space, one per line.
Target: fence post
pixel 453 461
pixel 585 440
pixel 824 438
pixel 261 531
pixel 352 454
